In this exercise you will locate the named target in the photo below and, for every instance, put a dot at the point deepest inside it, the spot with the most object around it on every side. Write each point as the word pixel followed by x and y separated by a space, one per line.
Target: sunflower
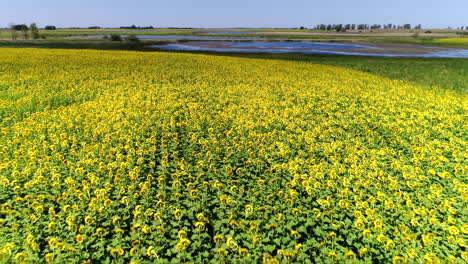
pixel 381 238
pixel 117 252
pixel 231 243
pixel 218 239
pixel 136 243
pixel 194 193
pixel 390 244
pixel 464 255
pixel 398 260
pixel 453 230
pixel 201 217
pixel 49 257
pixel 53 242
pixel 331 235
pixel 359 224
pixel 350 255
pixel 79 239
pixel 182 234
pixel 21 257
pixel 271 226
pixel 296 211
pixel 343 204
pixel 178 214
pixel 151 252
pixel 100 232
pixel 222 251
pixel 249 209
pixel 358 214
pixel 183 244
pixel 431 258
pixel 244 252
pixel 367 233
pixel 298 248
pixel 294 234
pixel 116 220
pixel 89 220
pixel 464 229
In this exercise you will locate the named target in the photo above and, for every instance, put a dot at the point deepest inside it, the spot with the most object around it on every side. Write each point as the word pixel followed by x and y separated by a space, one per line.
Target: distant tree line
pixel 135 27
pixel 345 27
pixel 25 31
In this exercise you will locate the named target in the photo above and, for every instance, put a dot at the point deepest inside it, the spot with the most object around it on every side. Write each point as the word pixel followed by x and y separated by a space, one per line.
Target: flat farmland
pixel 156 157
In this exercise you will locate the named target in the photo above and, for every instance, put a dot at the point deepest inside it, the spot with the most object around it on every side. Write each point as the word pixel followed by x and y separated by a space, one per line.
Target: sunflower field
pixel 153 157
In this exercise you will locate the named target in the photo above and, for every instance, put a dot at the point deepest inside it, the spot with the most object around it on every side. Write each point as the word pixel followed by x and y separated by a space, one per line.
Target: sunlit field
pixel 452 40
pixel 134 157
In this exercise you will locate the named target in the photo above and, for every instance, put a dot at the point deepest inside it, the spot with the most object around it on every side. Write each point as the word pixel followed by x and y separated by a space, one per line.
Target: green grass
pixel 447 73
pixel 417 41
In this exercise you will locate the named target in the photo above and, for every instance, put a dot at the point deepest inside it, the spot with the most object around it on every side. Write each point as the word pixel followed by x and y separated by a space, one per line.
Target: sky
pixel 233 14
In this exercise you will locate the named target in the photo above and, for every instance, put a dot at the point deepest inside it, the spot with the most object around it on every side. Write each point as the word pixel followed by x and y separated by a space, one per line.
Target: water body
pixel 125 31
pixel 382 50
pixel 178 37
pixel 227 32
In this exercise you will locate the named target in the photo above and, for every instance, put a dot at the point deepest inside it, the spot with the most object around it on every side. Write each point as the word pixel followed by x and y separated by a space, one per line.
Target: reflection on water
pixel 179 37
pixel 227 32
pixel 317 48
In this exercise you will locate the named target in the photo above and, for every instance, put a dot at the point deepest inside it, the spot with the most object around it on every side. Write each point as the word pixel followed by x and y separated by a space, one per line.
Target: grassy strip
pixel 443 72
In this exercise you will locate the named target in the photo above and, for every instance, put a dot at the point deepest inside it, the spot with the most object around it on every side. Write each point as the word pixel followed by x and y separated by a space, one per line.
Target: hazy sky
pixel 236 13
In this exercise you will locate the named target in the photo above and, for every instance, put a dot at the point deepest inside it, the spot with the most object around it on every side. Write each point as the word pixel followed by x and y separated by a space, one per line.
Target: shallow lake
pixel 383 50
pixel 179 37
pixel 227 32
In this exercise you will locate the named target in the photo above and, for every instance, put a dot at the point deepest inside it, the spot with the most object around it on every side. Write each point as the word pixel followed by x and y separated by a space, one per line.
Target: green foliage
pixel 34 31
pixel 115 37
pixel 132 38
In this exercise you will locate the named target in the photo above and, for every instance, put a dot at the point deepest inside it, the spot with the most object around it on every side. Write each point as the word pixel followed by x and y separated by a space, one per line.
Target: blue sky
pixel 238 13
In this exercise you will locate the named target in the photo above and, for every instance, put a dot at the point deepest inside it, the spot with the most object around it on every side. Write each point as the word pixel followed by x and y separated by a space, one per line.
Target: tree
pixel 23 28
pixel 49 27
pixel 13 32
pixel 338 27
pixel 132 38
pixel 362 26
pixel 407 26
pixel 34 31
pixel 115 37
